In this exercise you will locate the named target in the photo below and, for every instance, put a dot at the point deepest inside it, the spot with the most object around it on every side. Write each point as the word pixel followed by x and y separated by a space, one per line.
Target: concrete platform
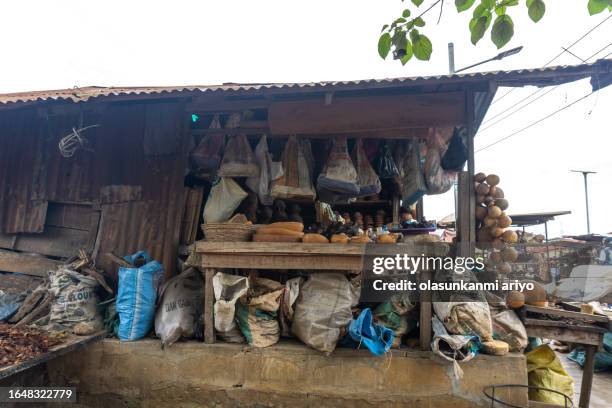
pixel 191 374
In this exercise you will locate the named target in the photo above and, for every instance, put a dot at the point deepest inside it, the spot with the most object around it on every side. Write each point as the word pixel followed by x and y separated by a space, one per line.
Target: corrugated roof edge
pixel 520 77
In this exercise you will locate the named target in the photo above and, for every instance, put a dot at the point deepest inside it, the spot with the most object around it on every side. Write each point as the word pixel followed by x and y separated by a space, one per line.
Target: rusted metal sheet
pixel 521 77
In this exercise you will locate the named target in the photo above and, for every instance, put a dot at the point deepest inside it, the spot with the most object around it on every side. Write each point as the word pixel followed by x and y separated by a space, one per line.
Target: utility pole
pixel 585 173
pixel 451 58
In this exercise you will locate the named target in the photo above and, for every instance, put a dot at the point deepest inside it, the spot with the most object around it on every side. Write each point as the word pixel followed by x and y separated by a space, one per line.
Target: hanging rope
pixel 69 144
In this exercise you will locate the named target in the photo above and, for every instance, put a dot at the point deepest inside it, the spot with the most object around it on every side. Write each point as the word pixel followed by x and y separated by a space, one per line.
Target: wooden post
pixel 209 301
pixel 470 222
pixel 426 313
pixel 587 376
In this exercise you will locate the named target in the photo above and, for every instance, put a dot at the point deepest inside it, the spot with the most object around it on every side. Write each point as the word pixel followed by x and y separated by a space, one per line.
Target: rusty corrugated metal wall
pixel 135 145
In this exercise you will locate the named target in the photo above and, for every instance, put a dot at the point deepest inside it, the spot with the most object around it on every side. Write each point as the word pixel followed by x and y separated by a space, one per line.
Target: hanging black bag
pixel 456 154
pixel 384 164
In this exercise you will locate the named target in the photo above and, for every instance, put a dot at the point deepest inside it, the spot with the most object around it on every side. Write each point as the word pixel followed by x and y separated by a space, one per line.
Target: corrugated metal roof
pixel 533 76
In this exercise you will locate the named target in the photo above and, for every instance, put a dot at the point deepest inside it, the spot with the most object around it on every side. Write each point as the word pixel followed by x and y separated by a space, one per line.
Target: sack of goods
pixel 225 196
pixel 339 174
pixel 467 318
pixel 410 180
pixel 228 289
pixel 262 183
pixel 257 314
pixel 367 179
pixel 438 180
pixel 74 300
pixel 180 309
pixel 238 160
pixel 323 310
pixel 296 181
pixel 137 296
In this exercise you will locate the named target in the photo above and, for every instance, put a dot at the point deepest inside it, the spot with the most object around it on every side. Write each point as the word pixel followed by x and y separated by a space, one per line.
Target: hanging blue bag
pixel 137 296
pixel 377 338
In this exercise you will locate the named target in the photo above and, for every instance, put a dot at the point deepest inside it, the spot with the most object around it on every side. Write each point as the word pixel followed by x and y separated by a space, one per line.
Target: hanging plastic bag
pixel 207 154
pixel 411 179
pixel 456 154
pixel 238 159
pixel 262 183
pixel 323 310
pixel 180 309
pixel 225 196
pixel 228 289
pixel 367 179
pixel 384 164
pixel 295 181
pixel 257 316
pixel 375 337
pixel 544 369
pixel 339 174
pixel 455 348
pixel 137 296
pixel 438 180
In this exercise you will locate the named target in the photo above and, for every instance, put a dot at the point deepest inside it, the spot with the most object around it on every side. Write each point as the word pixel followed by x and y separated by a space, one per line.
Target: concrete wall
pixel 192 374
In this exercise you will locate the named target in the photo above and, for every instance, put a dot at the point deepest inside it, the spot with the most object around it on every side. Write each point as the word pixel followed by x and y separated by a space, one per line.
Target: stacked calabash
pixel 493 222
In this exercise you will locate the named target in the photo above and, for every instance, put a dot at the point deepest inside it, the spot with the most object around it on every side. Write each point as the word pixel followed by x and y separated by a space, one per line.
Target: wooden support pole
pixel 470 222
pixel 426 314
pixel 209 301
pixel 587 376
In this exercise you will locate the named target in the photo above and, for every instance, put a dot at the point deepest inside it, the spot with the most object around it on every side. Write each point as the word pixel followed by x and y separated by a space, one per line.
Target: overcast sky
pixel 63 44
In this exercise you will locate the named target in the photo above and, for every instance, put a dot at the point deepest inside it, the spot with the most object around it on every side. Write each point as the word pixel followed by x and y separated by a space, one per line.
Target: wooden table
pixel 211 256
pixel 589 336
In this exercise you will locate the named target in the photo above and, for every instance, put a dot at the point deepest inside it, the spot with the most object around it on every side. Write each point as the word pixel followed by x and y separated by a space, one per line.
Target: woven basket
pixel 225 232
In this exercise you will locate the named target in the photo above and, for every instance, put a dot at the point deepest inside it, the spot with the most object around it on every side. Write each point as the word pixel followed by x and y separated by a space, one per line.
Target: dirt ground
pixel 601 394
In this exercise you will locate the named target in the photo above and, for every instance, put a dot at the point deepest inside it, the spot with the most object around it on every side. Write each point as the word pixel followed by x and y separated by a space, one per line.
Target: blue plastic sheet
pixel 603 359
pixel 137 296
pixel 9 304
pixel 363 331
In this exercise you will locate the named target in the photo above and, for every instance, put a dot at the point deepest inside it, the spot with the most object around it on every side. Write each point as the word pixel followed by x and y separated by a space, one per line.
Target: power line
pixel 520 108
pixel 558 55
pixel 536 122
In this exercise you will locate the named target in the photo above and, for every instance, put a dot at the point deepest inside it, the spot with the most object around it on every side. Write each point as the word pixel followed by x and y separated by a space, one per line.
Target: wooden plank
pixel 162 129
pixel 191 215
pixel 557 323
pixel 566 313
pixel 209 301
pixel 564 334
pixel 263 261
pixel 462 220
pixel 587 376
pixel 25 263
pixel 55 241
pixel 367 113
pixel 71 344
pixel 470 222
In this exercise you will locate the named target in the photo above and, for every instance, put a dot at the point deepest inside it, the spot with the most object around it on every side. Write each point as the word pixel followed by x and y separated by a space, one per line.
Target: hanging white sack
pixel 225 196
pixel 261 183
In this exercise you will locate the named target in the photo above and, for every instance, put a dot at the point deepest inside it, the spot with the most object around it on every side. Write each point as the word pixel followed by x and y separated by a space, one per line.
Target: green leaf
pixel 400 20
pixel 384 27
pixel 422 47
pixel 417 2
pixel 597 6
pixel 503 30
pixel 384 45
pixel 480 10
pixel 463 5
pixel 408 55
pixel 478 27
pixel 500 11
pixel 414 35
pixel 489 4
pixel 406 13
pixel 510 3
pixel 419 22
pixel 536 9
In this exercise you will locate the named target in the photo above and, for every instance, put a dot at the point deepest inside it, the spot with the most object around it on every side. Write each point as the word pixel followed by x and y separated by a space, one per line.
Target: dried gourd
pixel 480 177
pixel 482 188
pixel 494 211
pixel 510 237
pixel 495 347
pixel 268 229
pixel 481 213
pixel 315 239
pixel 361 239
pixel 509 254
pixel 492 179
pixel 504 221
pixel 340 239
pixel 501 203
pixel 515 299
pixel 275 238
pixel 387 239
pixel 290 225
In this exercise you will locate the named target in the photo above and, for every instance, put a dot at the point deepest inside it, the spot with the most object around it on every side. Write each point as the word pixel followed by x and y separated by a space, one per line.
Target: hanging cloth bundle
pixel 207 154
pixel 238 160
pixel 367 179
pixel 295 181
pixel 339 175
